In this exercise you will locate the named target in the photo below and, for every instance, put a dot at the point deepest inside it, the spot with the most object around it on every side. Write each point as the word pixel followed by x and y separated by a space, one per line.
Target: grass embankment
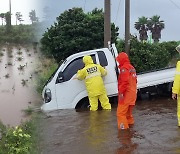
pixel 46 68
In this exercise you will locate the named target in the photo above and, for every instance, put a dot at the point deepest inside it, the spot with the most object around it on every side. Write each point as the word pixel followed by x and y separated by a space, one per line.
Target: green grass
pixel 18 143
pixel 47 68
pixel 28 111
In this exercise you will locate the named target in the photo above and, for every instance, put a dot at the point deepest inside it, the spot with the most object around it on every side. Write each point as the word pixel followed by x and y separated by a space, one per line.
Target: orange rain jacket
pixel 127 80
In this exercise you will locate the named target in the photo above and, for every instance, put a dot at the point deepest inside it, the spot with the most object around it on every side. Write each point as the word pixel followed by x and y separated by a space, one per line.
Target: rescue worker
pixel 127 91
pixel 176 87
pixel 92 74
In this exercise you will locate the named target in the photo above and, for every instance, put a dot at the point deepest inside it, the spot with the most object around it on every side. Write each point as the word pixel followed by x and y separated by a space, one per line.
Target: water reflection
pixel 177 141
pixel 125 138
pixel 103 136
pixel 97 132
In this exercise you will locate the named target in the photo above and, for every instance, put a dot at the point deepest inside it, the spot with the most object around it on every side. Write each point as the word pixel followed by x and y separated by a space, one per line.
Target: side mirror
pixel 60 77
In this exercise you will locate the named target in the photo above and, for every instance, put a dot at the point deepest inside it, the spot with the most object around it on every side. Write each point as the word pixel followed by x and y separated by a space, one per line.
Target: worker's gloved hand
pixel 174 96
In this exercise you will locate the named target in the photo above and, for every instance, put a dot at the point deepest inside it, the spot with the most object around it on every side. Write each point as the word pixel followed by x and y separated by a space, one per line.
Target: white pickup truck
pixel 63 92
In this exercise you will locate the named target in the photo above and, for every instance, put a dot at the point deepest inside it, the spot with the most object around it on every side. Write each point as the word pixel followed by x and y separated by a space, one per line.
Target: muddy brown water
pixel 17 92
pixel 84 132
pixel 71 132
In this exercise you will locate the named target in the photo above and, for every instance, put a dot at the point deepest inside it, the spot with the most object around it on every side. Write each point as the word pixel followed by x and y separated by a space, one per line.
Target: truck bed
pixel 156 77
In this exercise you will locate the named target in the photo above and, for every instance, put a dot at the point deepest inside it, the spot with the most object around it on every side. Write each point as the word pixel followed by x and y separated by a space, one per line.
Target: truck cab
pixel 62 91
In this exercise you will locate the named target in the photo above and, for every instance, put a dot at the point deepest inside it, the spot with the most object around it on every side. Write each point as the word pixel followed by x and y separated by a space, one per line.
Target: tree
pixel 19 17
pixel 8 22
pixel 75 31
pixel 2 16
pixel 145 56
pixel 33 17
pixel 156 25
pixel 141 26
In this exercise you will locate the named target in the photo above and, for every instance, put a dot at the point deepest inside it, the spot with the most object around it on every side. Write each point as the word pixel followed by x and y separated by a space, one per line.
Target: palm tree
pixel 2 16
pixel 141 26
pixel 18 17
pixel 156 25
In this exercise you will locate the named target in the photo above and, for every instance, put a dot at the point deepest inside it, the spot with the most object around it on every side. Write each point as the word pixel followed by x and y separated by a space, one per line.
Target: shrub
pixel 17 141
pixel 170 47
pixel 147 57
pixel 23 139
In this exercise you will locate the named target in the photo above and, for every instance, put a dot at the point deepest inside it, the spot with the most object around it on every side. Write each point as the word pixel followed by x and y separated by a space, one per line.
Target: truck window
pixel 74 66
pixel 102 58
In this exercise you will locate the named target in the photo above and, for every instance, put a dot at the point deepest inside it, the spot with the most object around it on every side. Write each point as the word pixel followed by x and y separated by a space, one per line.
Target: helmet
pixel 178 48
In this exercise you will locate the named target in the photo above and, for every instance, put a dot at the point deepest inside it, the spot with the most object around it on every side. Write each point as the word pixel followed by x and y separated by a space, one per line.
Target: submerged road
pixel 70 132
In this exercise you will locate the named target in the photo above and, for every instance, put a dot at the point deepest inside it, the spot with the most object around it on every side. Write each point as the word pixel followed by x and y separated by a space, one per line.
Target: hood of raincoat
pixel 87 60
pixel 122 58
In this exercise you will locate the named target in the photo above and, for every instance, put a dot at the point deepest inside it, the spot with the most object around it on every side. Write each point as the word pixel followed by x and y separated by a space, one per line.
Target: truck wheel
pixel 83 104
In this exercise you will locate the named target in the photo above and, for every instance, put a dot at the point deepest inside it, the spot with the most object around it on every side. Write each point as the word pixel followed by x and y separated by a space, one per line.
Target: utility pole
pixel 127 26
pixel 10 11
pixel 107 22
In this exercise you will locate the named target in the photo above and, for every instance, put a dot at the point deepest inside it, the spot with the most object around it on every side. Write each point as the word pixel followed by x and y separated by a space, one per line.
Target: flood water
pixel 71 132
pixel 17 92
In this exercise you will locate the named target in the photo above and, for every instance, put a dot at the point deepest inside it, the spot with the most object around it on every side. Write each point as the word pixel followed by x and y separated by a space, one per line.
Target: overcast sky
pixel 168 10
pixel 23 6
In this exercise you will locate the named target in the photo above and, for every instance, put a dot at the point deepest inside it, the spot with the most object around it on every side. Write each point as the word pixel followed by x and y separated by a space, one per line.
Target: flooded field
pixel 17 79
pixel 70 132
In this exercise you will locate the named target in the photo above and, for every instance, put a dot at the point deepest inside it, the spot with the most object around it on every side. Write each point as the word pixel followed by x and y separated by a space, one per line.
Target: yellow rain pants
pixel 178 110
pixel 176 89
pixel 92 74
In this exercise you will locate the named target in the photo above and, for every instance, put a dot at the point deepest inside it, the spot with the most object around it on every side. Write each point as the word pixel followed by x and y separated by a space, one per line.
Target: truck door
pixel 68 88
pixel 110 80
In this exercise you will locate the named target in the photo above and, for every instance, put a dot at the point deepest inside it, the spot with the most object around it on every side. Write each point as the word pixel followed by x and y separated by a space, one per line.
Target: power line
pixel 175 4
pixel 118 10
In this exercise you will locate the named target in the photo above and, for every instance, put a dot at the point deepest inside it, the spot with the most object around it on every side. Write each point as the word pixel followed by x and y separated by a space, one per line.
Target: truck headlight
pixel 47 95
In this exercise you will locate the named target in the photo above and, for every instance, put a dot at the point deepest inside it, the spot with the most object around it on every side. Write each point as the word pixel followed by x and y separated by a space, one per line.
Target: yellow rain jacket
pixel 176 84
pixel 92 73
pixel 176 89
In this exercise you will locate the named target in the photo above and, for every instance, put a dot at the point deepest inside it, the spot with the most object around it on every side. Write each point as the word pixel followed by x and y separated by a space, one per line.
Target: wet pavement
pixel 70 132
pixel 17 80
